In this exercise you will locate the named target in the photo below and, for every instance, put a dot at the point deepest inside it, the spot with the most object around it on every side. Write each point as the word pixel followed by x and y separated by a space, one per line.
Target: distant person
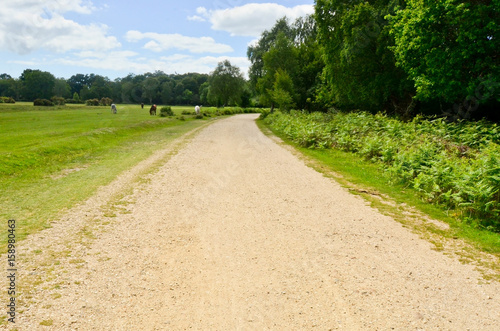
pixel 142 105
pixel 152 110
pixel 113 108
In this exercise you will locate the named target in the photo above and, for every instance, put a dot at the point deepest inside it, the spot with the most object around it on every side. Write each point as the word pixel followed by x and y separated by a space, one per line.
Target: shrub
pixel 166 111
pixel 105 102
pixel 7 100
pixel 43 102
pixel 92 102
pixel 264 113
pixel 58 101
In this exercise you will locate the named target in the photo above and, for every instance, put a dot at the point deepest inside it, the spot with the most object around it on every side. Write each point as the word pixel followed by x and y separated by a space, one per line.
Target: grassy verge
pixel 405 205
pixel 53 158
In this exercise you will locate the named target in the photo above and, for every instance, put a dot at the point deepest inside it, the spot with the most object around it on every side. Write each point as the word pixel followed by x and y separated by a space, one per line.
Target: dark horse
pixel 152 110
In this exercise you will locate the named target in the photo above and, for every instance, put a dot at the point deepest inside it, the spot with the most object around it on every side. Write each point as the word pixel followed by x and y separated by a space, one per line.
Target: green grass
pixel 402 203
pixel 54 157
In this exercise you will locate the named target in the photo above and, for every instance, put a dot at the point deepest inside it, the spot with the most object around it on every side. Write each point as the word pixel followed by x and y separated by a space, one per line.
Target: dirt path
pixel 235 233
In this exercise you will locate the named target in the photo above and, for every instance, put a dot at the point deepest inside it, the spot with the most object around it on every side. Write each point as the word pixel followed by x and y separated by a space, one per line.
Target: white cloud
pixel 205 64
pixel 128 61
pixel 29 25
pixel 25 63
pixel 113 60
pixel 196 18
pixel 252 19
pixel 53 6
pixel 153 46
pixel 162 42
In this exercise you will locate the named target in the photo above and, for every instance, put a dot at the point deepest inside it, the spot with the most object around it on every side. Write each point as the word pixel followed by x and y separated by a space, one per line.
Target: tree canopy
pixel 449 48
pixel 226 84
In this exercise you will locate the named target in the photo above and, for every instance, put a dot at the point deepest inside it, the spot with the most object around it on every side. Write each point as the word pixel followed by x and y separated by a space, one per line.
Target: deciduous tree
pixel 360 70
pixel 450 48
pixel 37 84
pixel 226 84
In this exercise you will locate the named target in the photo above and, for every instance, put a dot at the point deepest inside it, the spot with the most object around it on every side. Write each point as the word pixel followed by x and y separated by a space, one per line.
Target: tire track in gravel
pixel 235 233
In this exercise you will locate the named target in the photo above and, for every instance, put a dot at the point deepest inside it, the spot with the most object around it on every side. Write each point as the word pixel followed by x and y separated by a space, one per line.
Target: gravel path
pixel 234 232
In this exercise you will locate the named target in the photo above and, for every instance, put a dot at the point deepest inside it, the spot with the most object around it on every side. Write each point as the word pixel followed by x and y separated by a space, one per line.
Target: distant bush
pixel 7 100
pixel 43 102
pixel 73 101
pixel 213 111
pixel 92 102
pixel 105 102
pixel 58 101
pixel 166 111
pixel 101 102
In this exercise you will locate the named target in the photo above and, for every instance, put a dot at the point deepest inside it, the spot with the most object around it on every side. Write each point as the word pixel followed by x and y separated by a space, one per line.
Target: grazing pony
pixel 197 110
pixel 152 110
pixel 113 108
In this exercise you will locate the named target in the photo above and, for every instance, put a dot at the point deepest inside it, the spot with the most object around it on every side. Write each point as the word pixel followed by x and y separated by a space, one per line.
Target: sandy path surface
pixel 235 233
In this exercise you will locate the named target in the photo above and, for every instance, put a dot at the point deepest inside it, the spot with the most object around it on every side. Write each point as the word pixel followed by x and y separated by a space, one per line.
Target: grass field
pixel 54 157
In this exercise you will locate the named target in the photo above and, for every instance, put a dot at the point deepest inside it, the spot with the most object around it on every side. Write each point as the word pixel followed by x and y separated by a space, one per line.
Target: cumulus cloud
pixel 29 25
pixel 251 19
pixel 205 64
pixel 114 60
pixel 202 13
pixel 131 62
pixel 162 42
pixel 196 18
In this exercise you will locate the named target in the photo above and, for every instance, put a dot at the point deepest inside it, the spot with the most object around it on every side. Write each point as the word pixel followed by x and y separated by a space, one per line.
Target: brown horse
pixel 152 110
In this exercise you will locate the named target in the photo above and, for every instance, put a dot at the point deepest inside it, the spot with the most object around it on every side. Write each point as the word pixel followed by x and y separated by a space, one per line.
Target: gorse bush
pixel 92 102
pixel 99 102
pixel 456 165
pixel 105 102
pixel 43 102
pixel 58 101
pixel 7 100
pixel 166 111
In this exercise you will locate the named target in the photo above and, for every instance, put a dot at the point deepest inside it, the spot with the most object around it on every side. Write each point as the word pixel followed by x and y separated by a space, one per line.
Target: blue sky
pixel 114 38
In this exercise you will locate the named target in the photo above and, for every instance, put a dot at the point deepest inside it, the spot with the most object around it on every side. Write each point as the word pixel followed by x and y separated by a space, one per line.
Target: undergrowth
pixel 455 165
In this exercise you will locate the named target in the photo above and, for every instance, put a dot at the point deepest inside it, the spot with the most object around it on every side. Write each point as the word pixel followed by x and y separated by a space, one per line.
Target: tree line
pixel 403 57
pixel 149 88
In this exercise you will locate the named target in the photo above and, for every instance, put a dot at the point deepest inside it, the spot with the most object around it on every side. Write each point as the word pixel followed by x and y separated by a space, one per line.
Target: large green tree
pixel 150 88
pixel 279 61
pixel 226 84
pixel 37 84
pixel 9 87
pixel 293 50
pixel 256 51
pixel 360 69
pixel 62 88
pixel 450 48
